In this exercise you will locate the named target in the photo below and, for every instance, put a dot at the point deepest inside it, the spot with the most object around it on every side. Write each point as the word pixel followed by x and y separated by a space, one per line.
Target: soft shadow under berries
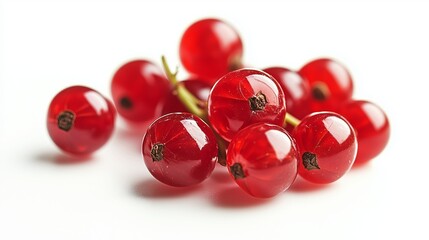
pixel 231 196
pixel 130 139
pixel 62 159
pixel 302 185
pixel 221 176
pixel 151 188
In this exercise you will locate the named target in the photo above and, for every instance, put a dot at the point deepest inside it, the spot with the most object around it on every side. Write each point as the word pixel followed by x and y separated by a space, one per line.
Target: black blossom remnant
pixel 66 120
pixel 310 161
pixel 237 171
pixel 320 92
pixel 257 102
pixel 157 152
pixel 125 103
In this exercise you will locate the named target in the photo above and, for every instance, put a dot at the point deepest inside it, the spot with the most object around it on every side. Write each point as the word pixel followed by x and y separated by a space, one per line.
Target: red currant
pixel 330 84
pixel 80 120
pixel 371 125
pixel 179 149
pixel 139 89
pixel 327 145
pixel 263 160
pixel 199 89
pixel 210 48
pixel 295 88
pixel 243 97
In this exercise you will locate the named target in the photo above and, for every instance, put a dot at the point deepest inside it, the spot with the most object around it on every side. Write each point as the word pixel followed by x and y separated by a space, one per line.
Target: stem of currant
pixel 290 119
pixel 192 103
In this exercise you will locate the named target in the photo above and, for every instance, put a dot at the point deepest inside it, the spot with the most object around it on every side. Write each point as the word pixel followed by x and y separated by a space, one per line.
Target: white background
pixel 49 45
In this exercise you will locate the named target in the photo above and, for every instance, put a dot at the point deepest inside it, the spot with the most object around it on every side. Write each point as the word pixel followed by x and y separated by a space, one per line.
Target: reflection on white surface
pixel 339 73
pixel 279 143
pixel 294 84
pixel 227 33
pixel 338 129
pixel 148 71
pixel 260 82
pixel 195 132
pixel 375 115
pixel 205 93
pixel 97 102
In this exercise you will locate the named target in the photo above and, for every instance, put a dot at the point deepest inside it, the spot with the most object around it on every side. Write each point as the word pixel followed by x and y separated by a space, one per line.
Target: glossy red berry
pixel 330 83
pixel 80 120
pixel 371 125
pixel 263 160
pixel 295 88
pixel 199 89
pixel 327 146
pixel 243 97
pixel 179 149
pixel 210 48
pixel 139 89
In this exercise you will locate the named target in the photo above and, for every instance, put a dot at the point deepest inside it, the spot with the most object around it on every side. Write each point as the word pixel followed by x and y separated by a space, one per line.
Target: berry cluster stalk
pixel 290 119
pixel 192 103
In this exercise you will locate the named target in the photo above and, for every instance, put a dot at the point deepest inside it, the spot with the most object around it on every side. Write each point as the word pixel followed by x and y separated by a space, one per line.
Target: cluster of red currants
pixel 246 119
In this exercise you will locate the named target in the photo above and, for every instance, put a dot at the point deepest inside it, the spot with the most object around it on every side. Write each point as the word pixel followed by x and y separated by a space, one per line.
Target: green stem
pixel 170 75
pixel 192 103
pixel 290 119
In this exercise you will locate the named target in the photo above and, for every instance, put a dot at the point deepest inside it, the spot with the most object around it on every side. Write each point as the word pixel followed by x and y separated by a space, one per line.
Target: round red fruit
pixel 371 125
pixel 179 149
pixel 210 48
pixel 243 97
pixel 295 88
pixel 80 120
pixel 139 89
pixel 330 84
pixel 263 160
pixel 327 146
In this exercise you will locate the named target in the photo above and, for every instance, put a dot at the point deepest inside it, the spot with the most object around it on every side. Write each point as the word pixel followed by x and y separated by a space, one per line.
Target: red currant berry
pixel 139 89
pixel 210 48
pixel 327 145
pixel 371 125
pixel 330 84
pixel 196 87
pixel 263 160
pixel 243 97
pixel 295 88
pixel 80 120
pixel 179 149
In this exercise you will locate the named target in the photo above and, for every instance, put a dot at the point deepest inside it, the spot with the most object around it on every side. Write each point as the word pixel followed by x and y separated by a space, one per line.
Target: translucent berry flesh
pixel 80 120
pixel 210 48
pixel 330 84
pixel 179 149
pixel 371 125
pixel 327 146
pixel 263 160
pixel 295 88
pixel 244 97
pixel 139 89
